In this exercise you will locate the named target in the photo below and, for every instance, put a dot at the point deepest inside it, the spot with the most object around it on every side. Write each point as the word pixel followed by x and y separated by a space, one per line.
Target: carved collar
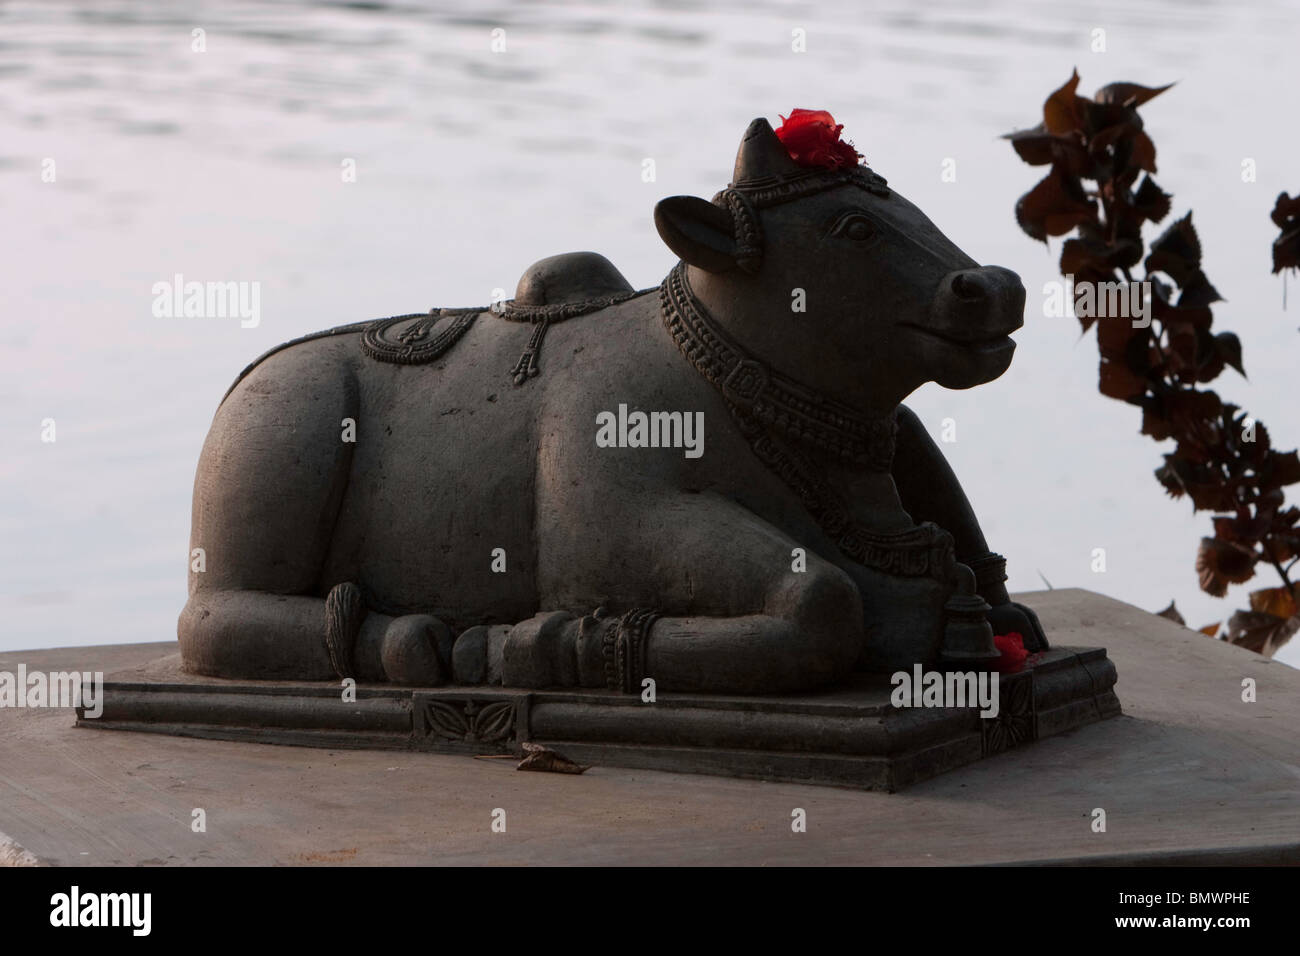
pixel 767 398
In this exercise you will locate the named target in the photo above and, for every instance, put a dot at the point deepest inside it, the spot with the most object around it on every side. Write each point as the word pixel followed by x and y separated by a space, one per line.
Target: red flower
pixel 812 138
pixel 1012 648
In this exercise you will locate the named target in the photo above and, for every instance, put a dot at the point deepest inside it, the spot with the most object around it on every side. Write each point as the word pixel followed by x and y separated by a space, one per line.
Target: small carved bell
pixel 967 636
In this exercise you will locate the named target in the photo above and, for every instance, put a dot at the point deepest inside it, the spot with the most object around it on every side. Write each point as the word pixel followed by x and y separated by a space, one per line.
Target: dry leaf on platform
pixel 537 757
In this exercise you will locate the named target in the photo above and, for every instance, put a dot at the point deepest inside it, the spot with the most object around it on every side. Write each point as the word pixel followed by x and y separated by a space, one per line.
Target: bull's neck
pixel 751 311
pixel 764 398
pixel 871 497
pixel 836 459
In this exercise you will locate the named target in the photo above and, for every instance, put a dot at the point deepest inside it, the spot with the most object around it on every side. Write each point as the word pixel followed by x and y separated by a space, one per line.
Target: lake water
pixel 227 165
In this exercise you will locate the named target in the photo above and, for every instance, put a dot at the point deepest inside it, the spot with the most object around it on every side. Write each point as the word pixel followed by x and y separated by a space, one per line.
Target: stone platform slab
pixel 1189 773
pixel 850 736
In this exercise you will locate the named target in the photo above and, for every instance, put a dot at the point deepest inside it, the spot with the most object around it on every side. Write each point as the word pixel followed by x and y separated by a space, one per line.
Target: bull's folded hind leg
pixel 268 491
pixel 702 595
pixel 254 634
pixel 297 637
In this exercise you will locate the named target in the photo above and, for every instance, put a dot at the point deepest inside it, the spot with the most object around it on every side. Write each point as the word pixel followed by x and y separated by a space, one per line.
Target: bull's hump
pixel 571 277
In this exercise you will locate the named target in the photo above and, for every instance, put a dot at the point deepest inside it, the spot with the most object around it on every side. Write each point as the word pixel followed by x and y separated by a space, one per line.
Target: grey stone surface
pixel 1189 773
pixel 463 445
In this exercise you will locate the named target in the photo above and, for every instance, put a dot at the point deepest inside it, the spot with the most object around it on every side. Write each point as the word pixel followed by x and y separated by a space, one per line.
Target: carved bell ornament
pixel 967 636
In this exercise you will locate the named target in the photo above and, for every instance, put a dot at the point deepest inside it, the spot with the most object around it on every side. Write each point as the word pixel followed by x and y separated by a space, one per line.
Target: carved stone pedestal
pixel 852 736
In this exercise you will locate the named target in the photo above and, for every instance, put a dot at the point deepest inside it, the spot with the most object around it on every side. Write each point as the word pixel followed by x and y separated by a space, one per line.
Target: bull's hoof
pixel 477 656
pixel 410 651
pixel 542 652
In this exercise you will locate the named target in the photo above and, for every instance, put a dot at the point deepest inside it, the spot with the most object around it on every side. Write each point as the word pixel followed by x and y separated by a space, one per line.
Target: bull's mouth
pixel 976 343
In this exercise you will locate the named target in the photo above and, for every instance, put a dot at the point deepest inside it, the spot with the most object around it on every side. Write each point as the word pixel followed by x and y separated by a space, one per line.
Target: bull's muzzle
pixel 976 305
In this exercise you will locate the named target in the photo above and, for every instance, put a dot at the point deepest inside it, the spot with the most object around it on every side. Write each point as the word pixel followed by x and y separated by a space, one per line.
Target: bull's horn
pixel 761 154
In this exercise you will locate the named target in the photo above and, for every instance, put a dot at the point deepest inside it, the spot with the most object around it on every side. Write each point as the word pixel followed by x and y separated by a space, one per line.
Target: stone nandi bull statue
pixel 470 529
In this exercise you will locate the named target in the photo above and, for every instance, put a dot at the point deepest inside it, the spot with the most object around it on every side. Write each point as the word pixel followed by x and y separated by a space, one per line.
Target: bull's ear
pixel 701 233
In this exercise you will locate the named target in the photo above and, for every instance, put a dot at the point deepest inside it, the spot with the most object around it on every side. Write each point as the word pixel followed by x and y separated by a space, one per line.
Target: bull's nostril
pixel 965 287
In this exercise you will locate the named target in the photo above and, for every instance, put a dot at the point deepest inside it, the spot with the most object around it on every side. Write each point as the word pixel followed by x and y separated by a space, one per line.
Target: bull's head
pixel 891 303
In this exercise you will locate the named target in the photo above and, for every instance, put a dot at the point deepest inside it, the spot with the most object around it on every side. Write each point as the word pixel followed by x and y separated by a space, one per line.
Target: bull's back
pixel 438 512
pixel 443 487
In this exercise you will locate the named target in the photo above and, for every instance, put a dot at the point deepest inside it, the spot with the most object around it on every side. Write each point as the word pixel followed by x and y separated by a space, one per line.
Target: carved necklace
pixel 416 344
pixel 542 317
pixel 773 400
pixel 776 414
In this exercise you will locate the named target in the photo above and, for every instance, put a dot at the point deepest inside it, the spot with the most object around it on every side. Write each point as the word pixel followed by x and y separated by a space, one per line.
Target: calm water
pixel 226 165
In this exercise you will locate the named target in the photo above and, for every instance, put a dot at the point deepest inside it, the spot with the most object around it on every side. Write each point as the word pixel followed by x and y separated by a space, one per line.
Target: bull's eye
pixel 854 226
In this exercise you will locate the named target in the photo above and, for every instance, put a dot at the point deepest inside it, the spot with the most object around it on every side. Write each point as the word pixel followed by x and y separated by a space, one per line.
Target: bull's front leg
pixel 698 594
pixel 931 492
